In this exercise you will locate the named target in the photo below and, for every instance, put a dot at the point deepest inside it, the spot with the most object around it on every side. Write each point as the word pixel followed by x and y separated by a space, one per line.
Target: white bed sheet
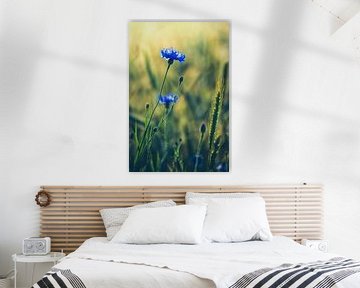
pixel 107 274
pixel 101 274
pixel 100 263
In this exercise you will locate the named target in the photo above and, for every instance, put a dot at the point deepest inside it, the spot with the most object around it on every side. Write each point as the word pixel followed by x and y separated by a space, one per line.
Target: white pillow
pixel 180 224
pixel 236 220
pixel 113 218
pixel 203 198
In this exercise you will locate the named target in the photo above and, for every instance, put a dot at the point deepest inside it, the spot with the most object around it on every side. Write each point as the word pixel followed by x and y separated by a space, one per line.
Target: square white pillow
pixel 236 220
pixel 113 218
pixel 172 225
pixel 204 198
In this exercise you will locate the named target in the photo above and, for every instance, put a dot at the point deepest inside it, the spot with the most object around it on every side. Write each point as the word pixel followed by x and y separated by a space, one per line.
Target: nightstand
pixel 53 257
pixel 320 245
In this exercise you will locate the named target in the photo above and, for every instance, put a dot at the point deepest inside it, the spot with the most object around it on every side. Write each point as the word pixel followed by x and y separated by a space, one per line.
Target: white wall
pixel 64 104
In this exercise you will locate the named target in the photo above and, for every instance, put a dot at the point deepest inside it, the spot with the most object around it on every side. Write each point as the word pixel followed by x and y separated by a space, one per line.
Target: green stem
pixel 139 148
pixel 198 152
pixel 162 85
pixel 162 120
pixel 165 129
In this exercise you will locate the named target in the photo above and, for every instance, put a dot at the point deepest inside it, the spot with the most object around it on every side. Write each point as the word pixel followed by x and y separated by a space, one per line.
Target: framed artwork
pixel 179 96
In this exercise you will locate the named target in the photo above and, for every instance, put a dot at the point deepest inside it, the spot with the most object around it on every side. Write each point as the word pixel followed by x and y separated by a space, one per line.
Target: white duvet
pixel 100 263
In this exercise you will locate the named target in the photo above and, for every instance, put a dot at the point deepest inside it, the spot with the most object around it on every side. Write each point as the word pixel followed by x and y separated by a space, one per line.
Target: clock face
pixel 40 245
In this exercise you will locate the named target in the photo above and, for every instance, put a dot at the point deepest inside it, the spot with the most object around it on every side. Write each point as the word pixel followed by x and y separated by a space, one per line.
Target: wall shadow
pixel 268 96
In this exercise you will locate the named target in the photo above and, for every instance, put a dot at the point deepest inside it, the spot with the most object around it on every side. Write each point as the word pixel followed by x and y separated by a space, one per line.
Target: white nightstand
pixel 320 245
pixel 53 257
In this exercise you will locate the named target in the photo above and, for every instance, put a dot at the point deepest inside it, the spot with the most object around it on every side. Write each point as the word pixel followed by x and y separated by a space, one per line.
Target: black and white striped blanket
pixel 57 278
pixel 320 274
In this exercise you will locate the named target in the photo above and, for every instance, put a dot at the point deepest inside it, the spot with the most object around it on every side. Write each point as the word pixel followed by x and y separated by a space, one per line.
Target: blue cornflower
pixel 221 167
pixel 172 54
pixel 168 99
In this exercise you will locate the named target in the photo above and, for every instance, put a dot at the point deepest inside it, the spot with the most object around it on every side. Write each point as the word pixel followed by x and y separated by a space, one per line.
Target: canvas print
pixel 179 96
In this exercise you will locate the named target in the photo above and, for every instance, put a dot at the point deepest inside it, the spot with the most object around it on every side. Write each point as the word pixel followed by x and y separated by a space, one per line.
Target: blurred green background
pixel 203 97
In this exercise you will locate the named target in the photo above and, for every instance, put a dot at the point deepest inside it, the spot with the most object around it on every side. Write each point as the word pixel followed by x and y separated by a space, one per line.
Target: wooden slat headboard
pixel 73 215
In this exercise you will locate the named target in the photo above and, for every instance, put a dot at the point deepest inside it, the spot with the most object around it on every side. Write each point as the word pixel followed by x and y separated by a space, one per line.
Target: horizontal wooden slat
pixel 286 218
pixel 65 227
pixel 50 232
pixel 187 187
pixel 73 216
pixel 95 209
pixel 129 200
pixel 281 210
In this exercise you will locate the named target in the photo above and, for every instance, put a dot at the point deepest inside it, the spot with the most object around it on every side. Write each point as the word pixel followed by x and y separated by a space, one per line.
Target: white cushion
pixel 181 224
pixel 236 220
pixel 113 218
pixel 203 198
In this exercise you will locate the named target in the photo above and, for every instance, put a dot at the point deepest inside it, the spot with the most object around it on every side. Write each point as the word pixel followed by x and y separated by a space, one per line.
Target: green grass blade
pixel 214 119
pixel 224 80
pixel 151 75
pixel 136 137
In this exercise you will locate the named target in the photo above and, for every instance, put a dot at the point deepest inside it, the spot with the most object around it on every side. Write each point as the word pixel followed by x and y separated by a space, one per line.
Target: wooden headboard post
pixel 73 215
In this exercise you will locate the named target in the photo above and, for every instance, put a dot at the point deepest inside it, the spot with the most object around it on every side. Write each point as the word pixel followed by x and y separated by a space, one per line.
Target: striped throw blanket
pixel 59 278
pixel 320 274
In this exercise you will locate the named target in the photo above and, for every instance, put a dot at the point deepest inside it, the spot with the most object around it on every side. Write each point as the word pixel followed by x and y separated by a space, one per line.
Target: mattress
pixel 99 263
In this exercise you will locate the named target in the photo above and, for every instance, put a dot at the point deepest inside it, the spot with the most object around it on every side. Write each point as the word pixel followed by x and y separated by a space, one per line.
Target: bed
pixel 294 213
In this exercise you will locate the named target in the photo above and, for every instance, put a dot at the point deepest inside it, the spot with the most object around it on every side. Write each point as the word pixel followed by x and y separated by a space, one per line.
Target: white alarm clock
pixel 36 246
pixel 320 245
